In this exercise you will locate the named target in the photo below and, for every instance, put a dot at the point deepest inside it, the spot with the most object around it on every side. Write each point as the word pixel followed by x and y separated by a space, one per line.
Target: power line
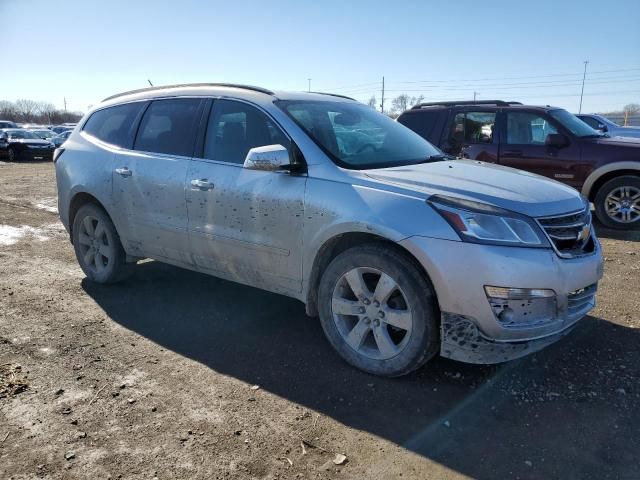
pixel 458 81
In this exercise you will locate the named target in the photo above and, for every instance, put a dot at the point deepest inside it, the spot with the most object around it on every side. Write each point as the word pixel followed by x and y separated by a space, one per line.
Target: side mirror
pixel 269 158
pixel 557 140
pixel 603 128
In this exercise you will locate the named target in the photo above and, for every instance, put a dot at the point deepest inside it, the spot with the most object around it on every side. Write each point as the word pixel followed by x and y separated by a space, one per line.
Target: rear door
pixel 149 180
pixel 245 225
pixel 523 146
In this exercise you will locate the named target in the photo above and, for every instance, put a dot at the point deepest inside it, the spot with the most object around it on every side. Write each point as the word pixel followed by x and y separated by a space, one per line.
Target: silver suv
pixel 401 252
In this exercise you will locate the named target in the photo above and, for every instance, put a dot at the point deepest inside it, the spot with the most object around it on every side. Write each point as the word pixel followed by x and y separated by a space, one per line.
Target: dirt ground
pixel 174 374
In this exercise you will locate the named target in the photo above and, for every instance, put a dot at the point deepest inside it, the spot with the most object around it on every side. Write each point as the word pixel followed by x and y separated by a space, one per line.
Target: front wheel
pixel 618 203
pixel 97 246
pixel 379 311
pixel 11 155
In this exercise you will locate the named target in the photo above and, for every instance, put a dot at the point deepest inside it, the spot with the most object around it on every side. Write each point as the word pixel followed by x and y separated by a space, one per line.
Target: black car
pixel 19 144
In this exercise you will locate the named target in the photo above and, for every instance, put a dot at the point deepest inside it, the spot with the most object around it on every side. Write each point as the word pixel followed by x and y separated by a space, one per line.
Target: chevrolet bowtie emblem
pixel 583 234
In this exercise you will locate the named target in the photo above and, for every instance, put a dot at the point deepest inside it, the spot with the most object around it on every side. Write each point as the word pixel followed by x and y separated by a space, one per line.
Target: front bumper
pixel 35 154
pixel 471 330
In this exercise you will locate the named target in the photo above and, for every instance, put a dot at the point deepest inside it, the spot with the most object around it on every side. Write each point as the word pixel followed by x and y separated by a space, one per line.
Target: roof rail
pixel 334 95
pixel 162 87
pixel 464 102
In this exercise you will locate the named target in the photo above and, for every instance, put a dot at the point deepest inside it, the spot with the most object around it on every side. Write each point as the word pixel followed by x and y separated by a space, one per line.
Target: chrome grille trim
pixel 562 231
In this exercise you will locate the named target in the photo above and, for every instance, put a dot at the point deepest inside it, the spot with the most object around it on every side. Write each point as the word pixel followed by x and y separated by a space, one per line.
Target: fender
pixel 610 167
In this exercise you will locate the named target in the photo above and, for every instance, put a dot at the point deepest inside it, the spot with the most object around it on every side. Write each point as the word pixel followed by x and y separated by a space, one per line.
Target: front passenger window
pixel 235 128
pixel 527 128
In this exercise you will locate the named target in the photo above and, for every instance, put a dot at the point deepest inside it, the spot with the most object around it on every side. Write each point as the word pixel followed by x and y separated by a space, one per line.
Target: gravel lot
pixel 174 374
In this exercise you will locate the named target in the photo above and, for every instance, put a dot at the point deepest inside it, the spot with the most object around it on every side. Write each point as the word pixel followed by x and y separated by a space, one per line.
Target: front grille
pixel 570 234
pixel 581 299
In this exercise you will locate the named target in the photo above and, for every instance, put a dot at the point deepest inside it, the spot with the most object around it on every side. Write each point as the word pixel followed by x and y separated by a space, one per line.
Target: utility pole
pixel 65 103
pixel 584 75
pixel 474 96
pixel 382 102
pixel 309 81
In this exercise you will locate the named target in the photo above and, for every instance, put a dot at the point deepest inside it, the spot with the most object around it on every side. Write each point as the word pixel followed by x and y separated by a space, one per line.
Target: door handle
pixel 202 184
pixel 124 172
pixel 512 153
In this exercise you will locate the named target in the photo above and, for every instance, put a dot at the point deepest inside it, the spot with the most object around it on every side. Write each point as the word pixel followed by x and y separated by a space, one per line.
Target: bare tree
pixel 404 102
pixel 629 110
pixel 26 108
pixel 372 101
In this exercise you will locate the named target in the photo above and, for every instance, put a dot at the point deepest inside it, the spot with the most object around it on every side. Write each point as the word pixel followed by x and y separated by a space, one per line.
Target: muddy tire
pixel 97 246
pixel 618 203
pixel 379 311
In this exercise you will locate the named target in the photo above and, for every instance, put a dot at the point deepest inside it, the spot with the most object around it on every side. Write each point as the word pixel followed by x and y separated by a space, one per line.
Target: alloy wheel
pixel 371 313
pixel 95 248
pixel 622 204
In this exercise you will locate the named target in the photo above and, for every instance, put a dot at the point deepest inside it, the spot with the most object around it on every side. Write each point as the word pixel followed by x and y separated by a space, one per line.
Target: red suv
pixel 545 140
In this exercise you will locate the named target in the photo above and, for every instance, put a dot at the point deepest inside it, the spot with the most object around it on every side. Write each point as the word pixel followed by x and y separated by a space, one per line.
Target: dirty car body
pixel 508 259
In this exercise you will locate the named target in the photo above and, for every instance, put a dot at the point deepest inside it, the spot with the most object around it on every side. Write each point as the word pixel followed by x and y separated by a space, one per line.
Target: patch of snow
pixel 47 204
pixel 10 234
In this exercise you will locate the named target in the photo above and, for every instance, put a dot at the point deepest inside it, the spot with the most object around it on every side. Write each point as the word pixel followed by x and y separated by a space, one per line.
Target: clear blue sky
pixel 531 51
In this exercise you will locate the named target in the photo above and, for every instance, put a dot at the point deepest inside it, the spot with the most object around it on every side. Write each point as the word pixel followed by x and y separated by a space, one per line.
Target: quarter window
pixel 169 127
pixel 235 128
pixel 113 125
pixel 527 128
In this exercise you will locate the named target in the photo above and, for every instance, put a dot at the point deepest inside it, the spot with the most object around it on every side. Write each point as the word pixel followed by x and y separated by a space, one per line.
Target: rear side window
pixel 169 126
pixel 114 124
pixel 528 128
pixel 472 127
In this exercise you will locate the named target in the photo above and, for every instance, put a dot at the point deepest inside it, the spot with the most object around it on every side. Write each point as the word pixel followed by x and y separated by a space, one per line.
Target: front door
pixel 523 147
pixel 149 181
pixel 245 225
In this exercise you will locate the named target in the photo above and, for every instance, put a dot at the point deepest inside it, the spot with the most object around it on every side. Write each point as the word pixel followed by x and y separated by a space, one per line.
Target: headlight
pixel 482 223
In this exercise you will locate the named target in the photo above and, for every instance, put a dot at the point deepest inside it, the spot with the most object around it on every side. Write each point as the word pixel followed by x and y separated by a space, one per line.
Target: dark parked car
pixel 7 124
pixel 18 144
pixel 545 140
pixel 61 138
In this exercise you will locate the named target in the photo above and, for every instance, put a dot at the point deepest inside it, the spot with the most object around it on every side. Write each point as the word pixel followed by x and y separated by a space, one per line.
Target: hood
pixel 618 141
pixel 504 187
pixel 30 141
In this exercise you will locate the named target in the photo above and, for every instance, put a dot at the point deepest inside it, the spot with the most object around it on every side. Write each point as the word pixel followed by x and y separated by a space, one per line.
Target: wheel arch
pixel 339 243
pixel 602 175
pixel 78 200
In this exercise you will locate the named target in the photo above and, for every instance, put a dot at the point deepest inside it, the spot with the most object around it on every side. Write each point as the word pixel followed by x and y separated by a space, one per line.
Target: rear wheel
pixel 379 311
pixel 618 203
pixel 97 246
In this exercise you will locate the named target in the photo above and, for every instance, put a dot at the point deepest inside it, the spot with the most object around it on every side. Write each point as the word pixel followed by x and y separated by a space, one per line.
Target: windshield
pixel 21 134
pixel 355 136
pixel 574 124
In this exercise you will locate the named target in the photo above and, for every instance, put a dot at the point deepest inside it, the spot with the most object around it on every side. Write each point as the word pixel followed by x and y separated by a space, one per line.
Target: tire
pixel 97 246
pixel 401 339
pixel 11 155
pixel 617 203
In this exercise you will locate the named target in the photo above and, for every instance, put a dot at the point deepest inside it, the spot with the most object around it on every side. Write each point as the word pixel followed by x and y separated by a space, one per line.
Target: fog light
pixel 518 293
